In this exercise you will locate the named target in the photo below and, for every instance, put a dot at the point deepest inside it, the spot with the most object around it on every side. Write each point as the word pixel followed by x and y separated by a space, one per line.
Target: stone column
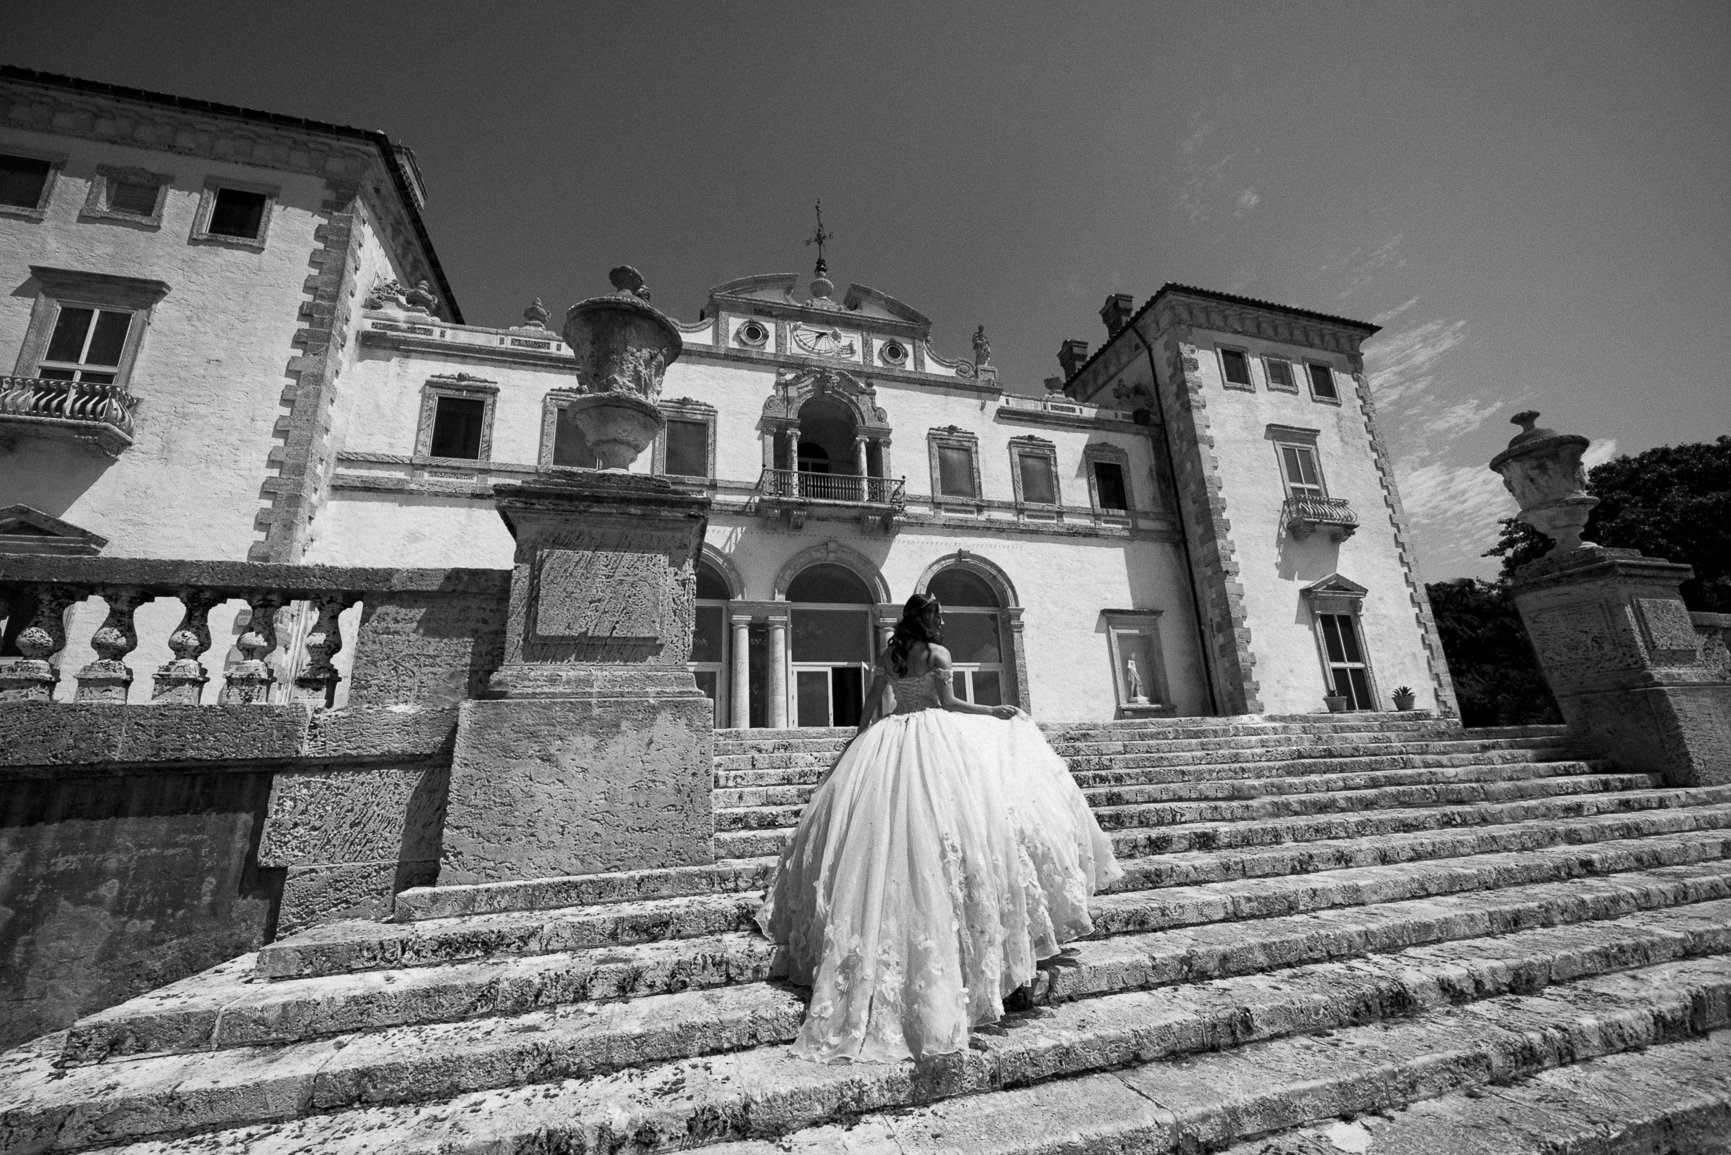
pixel 1622 658
pixel 778 670
pixel 1612 635
pixel 859 466
pixel 739 681
pixel 593 749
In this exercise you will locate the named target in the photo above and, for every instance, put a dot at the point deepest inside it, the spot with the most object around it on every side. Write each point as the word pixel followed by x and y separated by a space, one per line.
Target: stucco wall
pixel 1275 565
pixel 110 887
pixel 209 372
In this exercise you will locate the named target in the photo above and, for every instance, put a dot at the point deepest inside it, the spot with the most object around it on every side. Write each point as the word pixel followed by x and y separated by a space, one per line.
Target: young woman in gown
pixel 944 854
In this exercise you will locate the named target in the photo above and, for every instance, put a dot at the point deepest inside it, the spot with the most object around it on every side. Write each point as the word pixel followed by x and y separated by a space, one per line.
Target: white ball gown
pixel 943 856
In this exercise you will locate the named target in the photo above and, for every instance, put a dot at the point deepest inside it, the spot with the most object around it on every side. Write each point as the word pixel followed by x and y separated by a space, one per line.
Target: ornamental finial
pixel 820 238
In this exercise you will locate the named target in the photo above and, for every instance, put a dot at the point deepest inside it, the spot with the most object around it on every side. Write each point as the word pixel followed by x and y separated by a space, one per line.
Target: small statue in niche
pixel 1133 682
pixel 982 348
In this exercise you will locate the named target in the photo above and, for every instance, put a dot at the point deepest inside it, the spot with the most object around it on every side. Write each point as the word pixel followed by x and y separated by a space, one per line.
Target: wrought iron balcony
pixel 94 414
pixel 791 493
pixel 1305 515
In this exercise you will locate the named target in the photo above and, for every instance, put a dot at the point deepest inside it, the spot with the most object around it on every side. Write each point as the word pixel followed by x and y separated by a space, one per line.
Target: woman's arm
pixel 947 690
pixel 874 700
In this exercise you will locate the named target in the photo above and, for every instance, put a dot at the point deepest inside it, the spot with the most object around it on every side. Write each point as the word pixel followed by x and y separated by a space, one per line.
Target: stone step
pixel 1195 867
pixel 1304 779
pixel 1141 842
pixel 735 741
pixel 1585 1088
pixel 1401 1029
pixel 1674 1099
pixel 1180 739
pixel 226 1007
pixel 1112 768
pixel 1579 781
pixel 731 876
pixel 364 946
pixel 1128 912
pixel 1184 761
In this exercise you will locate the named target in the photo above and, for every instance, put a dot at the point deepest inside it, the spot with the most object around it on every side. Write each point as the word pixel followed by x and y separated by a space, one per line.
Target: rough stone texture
pixel 41 736
pixel 429 649
pixel 544 787
pixel 111 886
pixel 1624 661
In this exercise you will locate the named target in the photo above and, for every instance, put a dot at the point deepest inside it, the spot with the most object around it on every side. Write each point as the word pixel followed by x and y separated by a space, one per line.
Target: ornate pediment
pixel 1334 594
pixel 27 530
pixel 793 389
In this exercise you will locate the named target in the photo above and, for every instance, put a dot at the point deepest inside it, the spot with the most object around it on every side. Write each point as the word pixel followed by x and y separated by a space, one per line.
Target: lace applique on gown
pixel 935 865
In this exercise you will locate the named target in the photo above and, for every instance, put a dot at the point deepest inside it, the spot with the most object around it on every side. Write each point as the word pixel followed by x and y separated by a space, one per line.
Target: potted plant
pixel 1403 698
pixel 1336 701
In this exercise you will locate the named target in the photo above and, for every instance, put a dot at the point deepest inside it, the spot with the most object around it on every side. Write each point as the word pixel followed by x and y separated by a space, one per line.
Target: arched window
pixel 973 633
pixel 709 637
pixel 830 620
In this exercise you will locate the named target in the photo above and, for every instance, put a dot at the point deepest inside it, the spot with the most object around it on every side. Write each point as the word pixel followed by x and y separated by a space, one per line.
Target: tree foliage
pixel 1497 679
pixel 1671 502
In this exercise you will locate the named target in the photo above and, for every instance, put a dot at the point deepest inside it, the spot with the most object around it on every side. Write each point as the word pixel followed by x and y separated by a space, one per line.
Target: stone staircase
pixel 1322 917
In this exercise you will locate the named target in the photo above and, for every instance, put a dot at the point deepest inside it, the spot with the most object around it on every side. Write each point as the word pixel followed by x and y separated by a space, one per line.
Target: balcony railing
pixel 790 493
pixel 98 415
pixel 1305 515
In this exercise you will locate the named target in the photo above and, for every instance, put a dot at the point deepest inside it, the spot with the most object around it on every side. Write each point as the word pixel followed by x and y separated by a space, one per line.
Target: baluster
pixel 107 679
pixel 317 683
pixel 181 680
pixel 250 679
pixel 32 679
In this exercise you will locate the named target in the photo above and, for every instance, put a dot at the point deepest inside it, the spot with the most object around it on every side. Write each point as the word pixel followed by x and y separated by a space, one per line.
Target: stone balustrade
pixel 45 588
pixel 95 413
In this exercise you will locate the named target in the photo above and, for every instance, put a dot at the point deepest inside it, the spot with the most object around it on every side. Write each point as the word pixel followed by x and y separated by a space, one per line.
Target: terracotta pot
pixel 1403 702
pixel 1336 703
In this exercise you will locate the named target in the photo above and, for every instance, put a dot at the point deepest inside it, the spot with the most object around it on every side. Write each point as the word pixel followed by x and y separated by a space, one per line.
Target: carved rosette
pixel 108 678
pixel 623 346
pixel 32 679
pixel 249 680
pixel 181 680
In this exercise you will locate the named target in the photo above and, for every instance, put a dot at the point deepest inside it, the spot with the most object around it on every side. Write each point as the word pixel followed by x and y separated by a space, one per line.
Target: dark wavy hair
pixel 913 628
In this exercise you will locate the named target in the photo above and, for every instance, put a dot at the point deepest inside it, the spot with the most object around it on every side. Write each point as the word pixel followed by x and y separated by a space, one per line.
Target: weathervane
pixel 819 238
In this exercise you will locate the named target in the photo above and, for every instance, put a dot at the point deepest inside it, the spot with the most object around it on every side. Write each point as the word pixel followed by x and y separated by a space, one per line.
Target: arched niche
pixel 990 578
pixel 834 553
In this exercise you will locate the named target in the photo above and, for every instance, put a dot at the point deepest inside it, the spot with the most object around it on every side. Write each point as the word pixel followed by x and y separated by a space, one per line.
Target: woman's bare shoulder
pixel 940 655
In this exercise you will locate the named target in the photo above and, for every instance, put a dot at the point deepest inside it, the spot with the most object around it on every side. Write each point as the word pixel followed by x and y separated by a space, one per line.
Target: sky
pixel 1532 199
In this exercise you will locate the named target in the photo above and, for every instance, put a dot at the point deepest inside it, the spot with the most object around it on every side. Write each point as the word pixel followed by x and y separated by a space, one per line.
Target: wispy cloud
pixel 1217 183
pixel 1405 364
pixel 1599 452
pixel 1388 315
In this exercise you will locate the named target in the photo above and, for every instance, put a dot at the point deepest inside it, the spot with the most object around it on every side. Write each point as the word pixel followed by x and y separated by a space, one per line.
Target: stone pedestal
pixel 592 748
pixel 1623 659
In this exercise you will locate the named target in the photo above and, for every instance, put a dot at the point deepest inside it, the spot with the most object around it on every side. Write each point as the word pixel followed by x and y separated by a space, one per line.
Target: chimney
pixel 1116 312
pixel 1071 354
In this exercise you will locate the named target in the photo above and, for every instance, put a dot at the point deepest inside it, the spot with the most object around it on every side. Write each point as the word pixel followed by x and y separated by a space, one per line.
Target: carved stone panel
pixel 1576 642
pixel 1667 630
pixel 614 593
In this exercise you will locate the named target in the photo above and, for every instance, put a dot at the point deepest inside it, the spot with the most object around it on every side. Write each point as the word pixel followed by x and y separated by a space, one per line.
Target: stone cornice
pixel 1010 416
pixel 134 118
pixel 1268 323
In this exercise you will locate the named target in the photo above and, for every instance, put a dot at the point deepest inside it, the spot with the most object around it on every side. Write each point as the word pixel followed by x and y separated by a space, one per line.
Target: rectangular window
pixel 1280 374
pixel 237 213
pixel 457 427
pixel 1322 383
pixel 1348 672
pixel 1038 485
pixel 1301 471
pixel 1236 367
pixel 956 471
pixel 1109 484
pixel 22 181
pixel 86 345
pixel 688 448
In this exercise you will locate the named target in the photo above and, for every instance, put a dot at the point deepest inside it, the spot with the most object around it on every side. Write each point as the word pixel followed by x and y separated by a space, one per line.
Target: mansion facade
pixel 232 340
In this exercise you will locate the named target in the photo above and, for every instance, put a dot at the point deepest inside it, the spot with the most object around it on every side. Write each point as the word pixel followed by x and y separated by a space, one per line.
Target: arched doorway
pixel 830 645
pixel 708 662
pixel 973 633
pixel 830 453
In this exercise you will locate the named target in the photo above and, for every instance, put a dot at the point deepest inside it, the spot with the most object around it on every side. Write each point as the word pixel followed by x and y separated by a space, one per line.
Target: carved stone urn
pixel 623 345
pixel 1542 468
